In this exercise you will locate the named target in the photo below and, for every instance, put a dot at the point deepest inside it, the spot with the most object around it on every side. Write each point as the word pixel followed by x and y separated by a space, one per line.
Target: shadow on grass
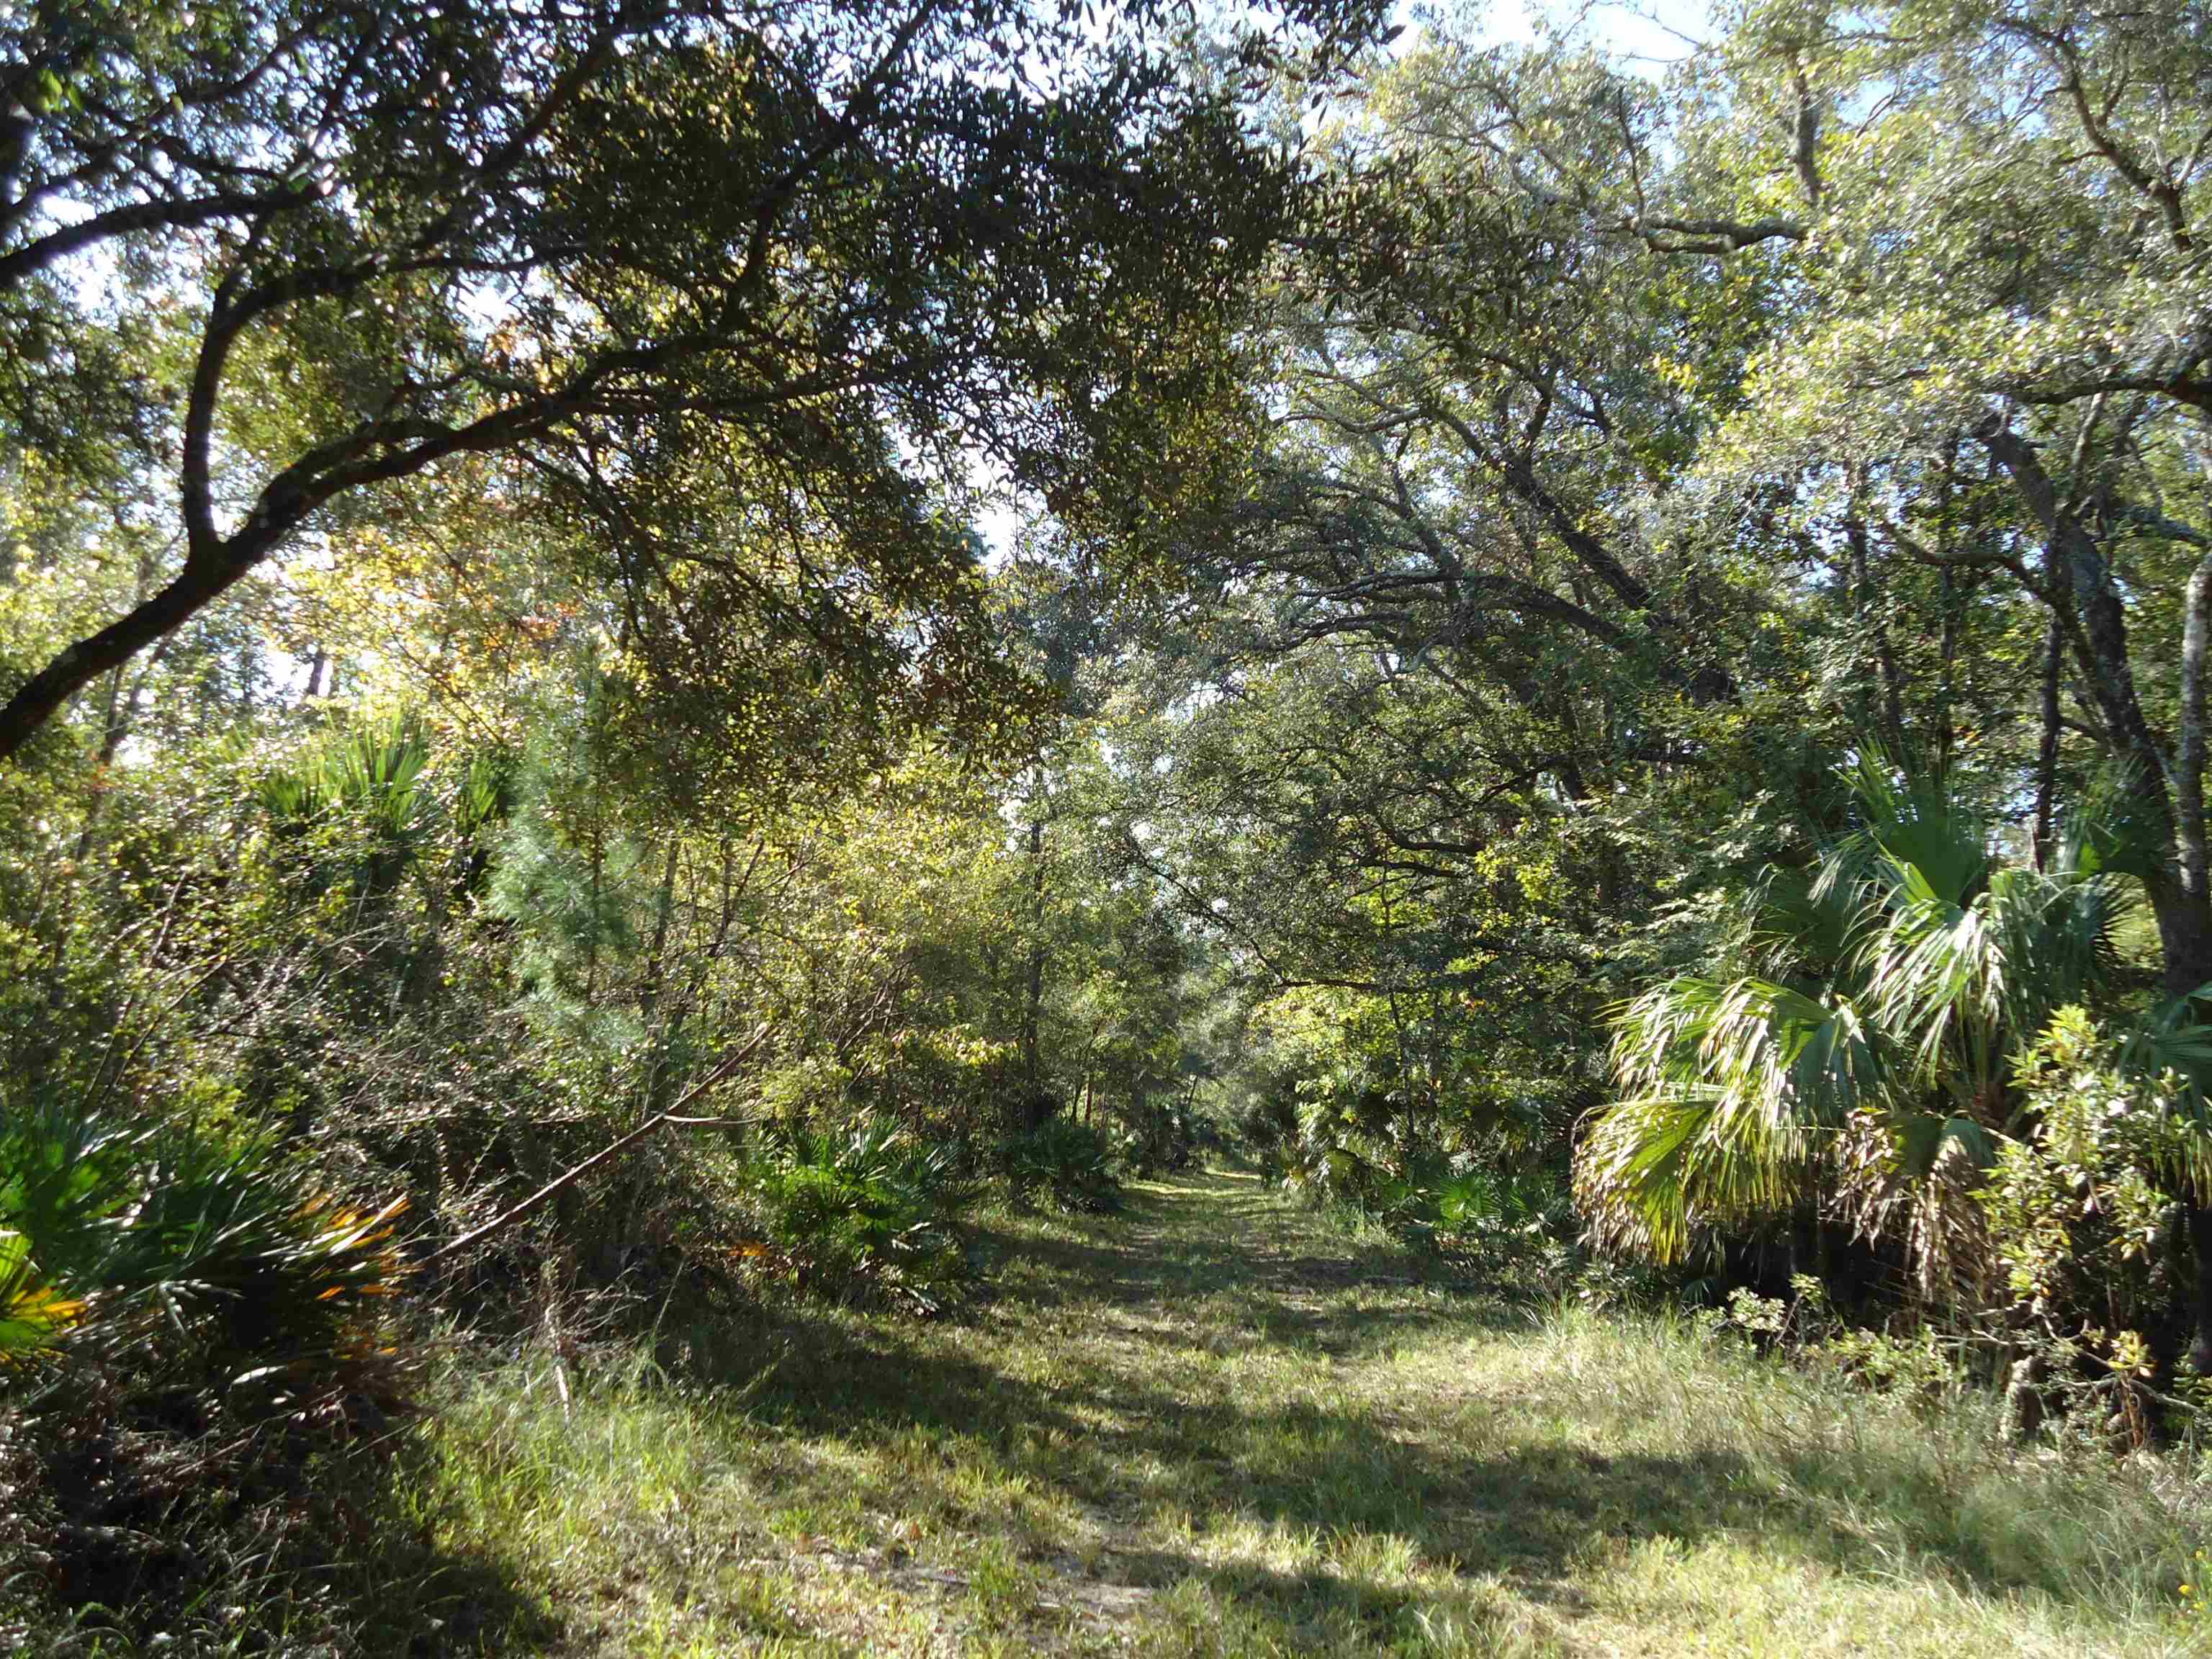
pixel 1148 1425
pixel 1338 1301
pixel 279 1540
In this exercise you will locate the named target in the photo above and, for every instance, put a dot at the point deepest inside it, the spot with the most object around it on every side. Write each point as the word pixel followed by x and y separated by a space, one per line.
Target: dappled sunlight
pixel 1213 1425
pixel 1063 827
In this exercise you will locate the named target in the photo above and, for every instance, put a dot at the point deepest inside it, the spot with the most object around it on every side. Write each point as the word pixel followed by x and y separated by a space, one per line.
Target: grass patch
pixel 1211 1426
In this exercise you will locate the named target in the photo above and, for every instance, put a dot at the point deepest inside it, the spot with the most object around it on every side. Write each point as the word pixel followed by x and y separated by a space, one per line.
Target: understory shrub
pixel 198 1372
pixel 209 1258
pixel 1064 1163
pixel 1162 1137
pixel 2069 1305
pixel 2080 1217
pixel 1479 1203
pixel 864 1213
pixel 1918 1361
pixel 1515 1229
pixel 1513 1223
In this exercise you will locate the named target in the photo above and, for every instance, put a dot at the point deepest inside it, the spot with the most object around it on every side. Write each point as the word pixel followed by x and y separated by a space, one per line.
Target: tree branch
pixel 671 1118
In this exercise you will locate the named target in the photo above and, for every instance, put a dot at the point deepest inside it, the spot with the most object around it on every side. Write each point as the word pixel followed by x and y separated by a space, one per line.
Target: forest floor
pixel 1216 1425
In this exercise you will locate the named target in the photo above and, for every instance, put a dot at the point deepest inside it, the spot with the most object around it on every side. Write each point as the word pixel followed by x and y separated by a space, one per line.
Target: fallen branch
pixel 672 1118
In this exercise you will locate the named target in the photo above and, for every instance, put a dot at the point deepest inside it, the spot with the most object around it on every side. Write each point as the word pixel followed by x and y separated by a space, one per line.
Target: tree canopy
pixel 651 638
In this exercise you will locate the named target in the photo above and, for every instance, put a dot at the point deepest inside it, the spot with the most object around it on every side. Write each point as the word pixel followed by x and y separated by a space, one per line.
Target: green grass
pixel 1212 1425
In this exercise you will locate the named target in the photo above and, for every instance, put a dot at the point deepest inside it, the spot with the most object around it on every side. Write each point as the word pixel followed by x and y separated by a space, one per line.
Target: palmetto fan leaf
pixel 1961 984
pixel 1897 987
pixel 1757 1045
pixel 1934 978
pixel 2056 933
pixel 1906 832
pixel 2176 1042
pixel 1633 1175
pixel 1800 925
pixel 1729 1086
pixel 373 778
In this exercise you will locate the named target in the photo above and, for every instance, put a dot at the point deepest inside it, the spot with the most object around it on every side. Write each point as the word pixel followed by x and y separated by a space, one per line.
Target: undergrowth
pixel 1214 1426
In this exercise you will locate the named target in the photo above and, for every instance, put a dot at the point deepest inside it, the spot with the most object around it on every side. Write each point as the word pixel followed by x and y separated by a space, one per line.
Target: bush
pixel 2077 1212
pixel 191 1345
pixel 1068 1163
pixel 866 1214
pixel 208 1257
pixel 1333 1166
pixel 1163 1138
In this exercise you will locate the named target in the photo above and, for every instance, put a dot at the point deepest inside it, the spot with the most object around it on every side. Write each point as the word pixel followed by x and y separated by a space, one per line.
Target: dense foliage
pixel 1708 667
pixel 651 649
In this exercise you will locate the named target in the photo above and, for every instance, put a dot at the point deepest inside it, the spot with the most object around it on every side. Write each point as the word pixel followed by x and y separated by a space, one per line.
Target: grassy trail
pixel 1212 1425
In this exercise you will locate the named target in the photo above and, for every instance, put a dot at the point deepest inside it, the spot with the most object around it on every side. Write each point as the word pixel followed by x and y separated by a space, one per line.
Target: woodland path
pixel 1216 1425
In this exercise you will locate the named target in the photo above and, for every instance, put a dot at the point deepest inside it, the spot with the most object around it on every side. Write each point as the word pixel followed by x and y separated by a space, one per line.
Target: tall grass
pixel 1218 1427
pixel 1900 1487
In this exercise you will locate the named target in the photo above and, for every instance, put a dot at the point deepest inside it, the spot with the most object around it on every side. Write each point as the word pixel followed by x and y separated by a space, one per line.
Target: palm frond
pixel 1731 1088
pixel 1909 832
pixel 1800 927
pixel 2175 1041
pixel 1763 1049
pixel 2108 834
pixel 1936 980
pixel 2055 931
pixel 1896 990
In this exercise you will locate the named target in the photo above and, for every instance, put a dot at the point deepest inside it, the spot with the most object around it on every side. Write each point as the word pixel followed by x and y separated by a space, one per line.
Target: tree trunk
pixel 2087 609
pixel 1870 617
pixel 2046 758
pixel 655 980
pixel 2199 1219
pixel 1033 1006
pixel 2184 930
